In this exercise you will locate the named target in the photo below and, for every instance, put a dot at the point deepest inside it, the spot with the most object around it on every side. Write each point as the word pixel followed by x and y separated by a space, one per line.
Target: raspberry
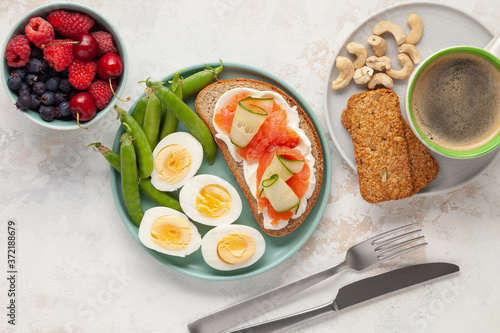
pixel 39 31
pixel 18 51
pixel 59 55
pixel 70 24
pixel 101 92
pixel 81 73
pixel 104 42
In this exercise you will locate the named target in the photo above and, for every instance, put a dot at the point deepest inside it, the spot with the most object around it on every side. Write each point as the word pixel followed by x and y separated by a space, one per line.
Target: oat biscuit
pixel 424 167
pixel 383 162
pixel 384 103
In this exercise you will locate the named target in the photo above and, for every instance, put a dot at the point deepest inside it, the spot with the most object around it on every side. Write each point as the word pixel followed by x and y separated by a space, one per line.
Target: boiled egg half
pixel 230 247
pixel 210 200
pixel 169 231
pixel 177 158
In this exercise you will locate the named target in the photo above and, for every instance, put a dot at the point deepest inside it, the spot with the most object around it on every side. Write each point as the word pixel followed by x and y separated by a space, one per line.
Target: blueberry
pixel 52 72
pixel 36 52
pixel 14 81
pixel 39 88
pixel 60 97
pixel 65 86
pixel 64 73
pixel 35 102
pixel 45 68
pixel 19 71
pixel 49 98
pixel 58 115
pixel 31 79
pixel 24 86
pixel 53 84
pixel 24 100
pixel 44 77
pixel 34 65
pixel 64 109
pixel 47 112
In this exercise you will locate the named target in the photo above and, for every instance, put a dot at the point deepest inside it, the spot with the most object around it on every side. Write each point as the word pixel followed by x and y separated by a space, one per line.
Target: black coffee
pixel 456 101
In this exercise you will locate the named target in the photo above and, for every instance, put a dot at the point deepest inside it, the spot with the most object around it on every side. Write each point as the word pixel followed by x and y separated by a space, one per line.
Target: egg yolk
pixel 213 201
pixel 172 163
pixel 171 232
pixel 236 248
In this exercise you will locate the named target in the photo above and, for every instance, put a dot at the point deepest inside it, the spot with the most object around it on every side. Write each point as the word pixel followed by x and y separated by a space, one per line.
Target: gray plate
pixel 443 27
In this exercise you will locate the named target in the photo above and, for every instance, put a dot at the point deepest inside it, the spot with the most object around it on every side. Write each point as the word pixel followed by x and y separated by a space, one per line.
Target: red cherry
pixel 110 66
pixel 87 47
pixel 83 107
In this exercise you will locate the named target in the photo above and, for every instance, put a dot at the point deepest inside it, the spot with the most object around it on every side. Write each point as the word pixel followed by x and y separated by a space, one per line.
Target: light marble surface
pixel 79 270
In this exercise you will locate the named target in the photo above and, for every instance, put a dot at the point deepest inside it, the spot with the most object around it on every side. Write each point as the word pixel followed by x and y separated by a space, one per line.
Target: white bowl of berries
pixel 64 66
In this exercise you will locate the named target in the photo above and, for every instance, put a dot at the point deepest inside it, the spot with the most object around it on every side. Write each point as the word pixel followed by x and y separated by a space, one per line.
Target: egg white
pixel 187 198
pixel 195 149
pixel 154 213
pixel 212 238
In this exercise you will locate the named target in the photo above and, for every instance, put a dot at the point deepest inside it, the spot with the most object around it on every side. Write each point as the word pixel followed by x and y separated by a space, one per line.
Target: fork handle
pixel 235 314
pixel 280 324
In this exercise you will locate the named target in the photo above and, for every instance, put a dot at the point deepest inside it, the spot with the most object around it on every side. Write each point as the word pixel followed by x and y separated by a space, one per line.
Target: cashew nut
pixel 359 51
pixel 393 28
pixel 379 63
pixel 346 72
pixel 380 79
pixel 363 75
pixel 410 50
pixel 405 71
pixel 378 43
pixel 417 29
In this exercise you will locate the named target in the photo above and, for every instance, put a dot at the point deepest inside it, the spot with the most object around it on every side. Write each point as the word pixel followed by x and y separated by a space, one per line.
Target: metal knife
pixel 354 293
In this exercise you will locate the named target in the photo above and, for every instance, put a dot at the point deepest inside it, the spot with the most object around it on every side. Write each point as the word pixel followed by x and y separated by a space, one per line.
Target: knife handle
pixel 240 312
pixel 287 322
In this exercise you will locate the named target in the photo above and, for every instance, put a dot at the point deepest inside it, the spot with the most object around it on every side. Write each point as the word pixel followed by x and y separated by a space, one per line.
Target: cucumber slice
pixel 294 166
pixel 265 176
pixel 249 116
pixel 283 167
pixel 280 195
pixel 263 103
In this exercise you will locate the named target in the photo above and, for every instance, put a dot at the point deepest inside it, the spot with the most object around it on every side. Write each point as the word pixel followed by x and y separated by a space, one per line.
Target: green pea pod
pixel 140 110
pixel 130 179
pixel 186 87
pixel 194 83
pixel 141 143
pixel 111 156
pixel 145 186
pixel 187 117
pixel 169 124
pixel 161 198
pixel 152 120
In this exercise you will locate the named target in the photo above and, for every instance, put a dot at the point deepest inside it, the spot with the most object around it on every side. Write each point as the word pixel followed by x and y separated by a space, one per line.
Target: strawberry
pixel 70 24
pixel 101 92
pixel 39 31
pixel 59 55
pixel 81 73
pixel 104 42
pixel 18 51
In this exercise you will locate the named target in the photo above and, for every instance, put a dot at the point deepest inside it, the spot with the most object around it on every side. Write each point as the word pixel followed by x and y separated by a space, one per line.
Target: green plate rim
pixel 297 238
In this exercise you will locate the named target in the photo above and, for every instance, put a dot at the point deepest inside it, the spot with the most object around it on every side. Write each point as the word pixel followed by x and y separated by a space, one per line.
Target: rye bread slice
pixel 205 107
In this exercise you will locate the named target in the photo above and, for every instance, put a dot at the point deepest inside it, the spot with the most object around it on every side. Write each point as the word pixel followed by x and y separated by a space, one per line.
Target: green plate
pixel 278 249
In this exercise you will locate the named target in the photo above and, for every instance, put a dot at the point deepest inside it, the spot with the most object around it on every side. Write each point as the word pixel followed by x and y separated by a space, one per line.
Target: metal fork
pixel 360 256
